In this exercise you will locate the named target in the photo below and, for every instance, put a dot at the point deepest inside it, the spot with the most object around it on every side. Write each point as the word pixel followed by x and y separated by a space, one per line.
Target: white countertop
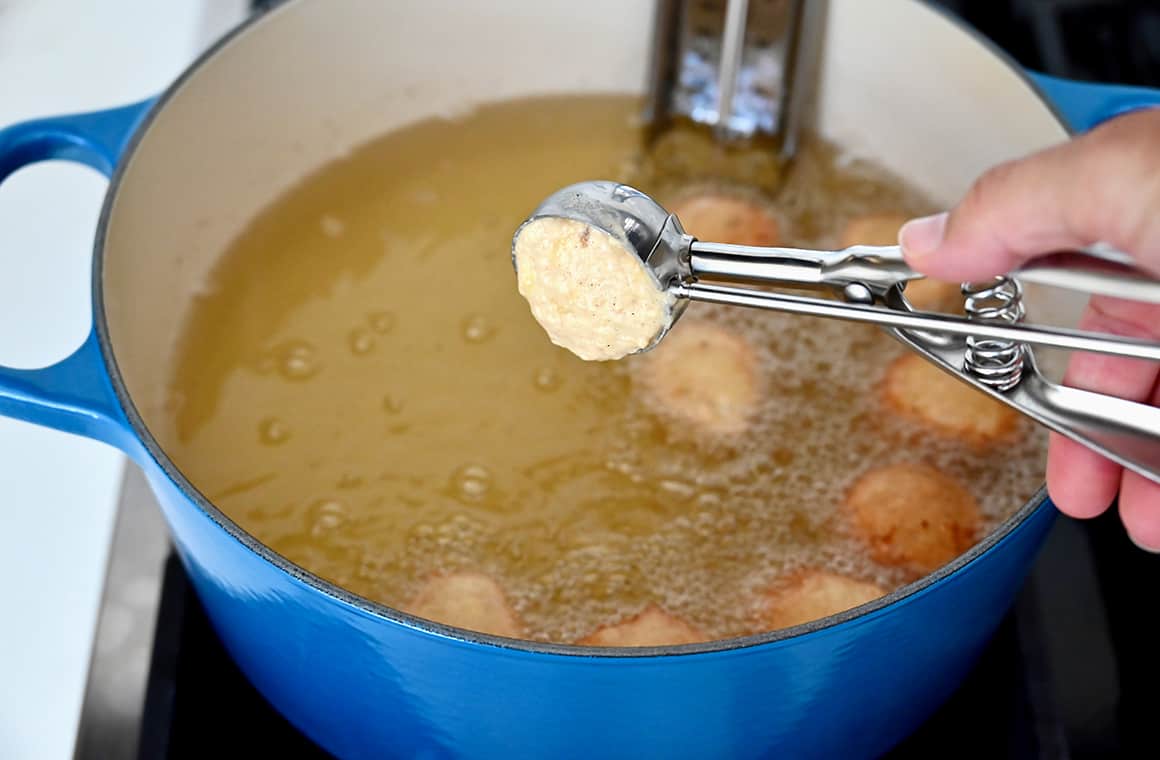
pixel 58 493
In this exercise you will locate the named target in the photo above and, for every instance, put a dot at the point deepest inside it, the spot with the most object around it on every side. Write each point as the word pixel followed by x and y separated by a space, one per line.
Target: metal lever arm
pixel 1095 270
pixel 1056 337
pixel 1124 431
pixel 1092 271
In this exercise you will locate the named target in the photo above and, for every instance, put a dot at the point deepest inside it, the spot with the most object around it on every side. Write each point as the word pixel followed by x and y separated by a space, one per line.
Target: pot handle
pixel 1085 105
pixel 74 395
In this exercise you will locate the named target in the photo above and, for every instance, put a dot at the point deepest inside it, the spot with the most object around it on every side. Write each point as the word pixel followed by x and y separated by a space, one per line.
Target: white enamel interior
pixel 898 82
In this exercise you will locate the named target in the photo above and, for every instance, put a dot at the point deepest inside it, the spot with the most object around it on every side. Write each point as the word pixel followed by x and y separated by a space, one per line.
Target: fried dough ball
pixel 467 600
pixel 921 391
pixel 812 595
pixel 933 295
pixel 722 218
pixel 873 229
pixel 882 229
pixel 912 516
pixel 651 628
pixel 705 375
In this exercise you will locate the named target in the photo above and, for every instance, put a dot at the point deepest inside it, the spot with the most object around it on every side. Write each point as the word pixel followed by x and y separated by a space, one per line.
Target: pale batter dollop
pixel 588 290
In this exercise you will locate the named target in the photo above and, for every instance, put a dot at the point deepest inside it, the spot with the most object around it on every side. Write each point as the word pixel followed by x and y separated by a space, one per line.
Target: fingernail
pixel 922 237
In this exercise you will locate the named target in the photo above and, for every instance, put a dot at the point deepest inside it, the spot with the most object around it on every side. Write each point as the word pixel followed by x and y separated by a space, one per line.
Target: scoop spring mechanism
pixel 995 362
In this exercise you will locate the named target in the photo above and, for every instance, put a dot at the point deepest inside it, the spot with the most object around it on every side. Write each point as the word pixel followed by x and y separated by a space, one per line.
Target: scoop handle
pixel 1096 270
pixel 1127 432
pixel 1055 337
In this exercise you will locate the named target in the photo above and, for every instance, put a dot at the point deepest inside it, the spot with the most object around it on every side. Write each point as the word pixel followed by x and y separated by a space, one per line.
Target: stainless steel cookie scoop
pixel 986 347
pixel 863 275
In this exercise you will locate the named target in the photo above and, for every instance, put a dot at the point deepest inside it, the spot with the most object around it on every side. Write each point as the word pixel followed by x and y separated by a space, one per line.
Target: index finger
pixel 1103 186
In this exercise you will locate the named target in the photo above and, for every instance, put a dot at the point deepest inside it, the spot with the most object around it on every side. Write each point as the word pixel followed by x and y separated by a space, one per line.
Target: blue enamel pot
pixel 302 84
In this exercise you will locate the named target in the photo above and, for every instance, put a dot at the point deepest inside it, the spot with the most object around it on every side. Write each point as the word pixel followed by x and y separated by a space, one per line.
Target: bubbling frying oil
pixel 363 389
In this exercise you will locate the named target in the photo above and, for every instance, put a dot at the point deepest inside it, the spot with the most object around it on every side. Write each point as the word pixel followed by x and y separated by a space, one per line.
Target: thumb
pixel 1103 186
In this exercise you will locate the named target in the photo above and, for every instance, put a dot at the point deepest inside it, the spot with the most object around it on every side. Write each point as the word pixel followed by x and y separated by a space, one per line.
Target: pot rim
pixel 439 630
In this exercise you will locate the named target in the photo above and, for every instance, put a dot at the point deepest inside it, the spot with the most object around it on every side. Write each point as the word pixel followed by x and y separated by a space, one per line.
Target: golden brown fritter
pixel 912 516
pixel 651 628
pixel 702 374
pixel 467 600
pixel 723 218
pixel 919 390
pixel 872 229
pixel 811 595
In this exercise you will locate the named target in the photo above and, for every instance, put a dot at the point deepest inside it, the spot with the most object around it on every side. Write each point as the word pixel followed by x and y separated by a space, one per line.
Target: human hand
pixel 1102 186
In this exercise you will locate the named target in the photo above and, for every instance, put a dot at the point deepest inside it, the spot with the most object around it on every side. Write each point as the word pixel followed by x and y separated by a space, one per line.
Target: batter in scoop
pixel 588 290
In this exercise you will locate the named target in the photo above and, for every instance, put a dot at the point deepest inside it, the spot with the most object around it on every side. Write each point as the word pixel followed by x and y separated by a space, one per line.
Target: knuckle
pixel 992 185
pixel 1118 186
pixel 983 197
pixel 975 214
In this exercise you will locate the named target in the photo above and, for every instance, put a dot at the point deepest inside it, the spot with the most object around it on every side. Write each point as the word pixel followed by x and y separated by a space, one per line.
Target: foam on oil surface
pixel 389 409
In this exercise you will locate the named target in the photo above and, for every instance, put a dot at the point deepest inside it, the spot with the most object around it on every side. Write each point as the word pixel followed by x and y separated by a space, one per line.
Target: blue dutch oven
pixel 305 82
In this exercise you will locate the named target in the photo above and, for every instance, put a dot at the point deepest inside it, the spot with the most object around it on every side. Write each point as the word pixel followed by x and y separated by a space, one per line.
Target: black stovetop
pixel 1072 671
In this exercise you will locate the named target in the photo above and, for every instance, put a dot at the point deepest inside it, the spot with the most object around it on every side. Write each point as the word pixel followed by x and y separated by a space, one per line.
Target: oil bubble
pixel 272 431
pixel 677 488
pixel 297 360
pixel 471 483
pixel 361 342
pixel 476 328
pixel 382 322
pixel 547 379
pixel 332 226
pixel 425 196
pixel 325 516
